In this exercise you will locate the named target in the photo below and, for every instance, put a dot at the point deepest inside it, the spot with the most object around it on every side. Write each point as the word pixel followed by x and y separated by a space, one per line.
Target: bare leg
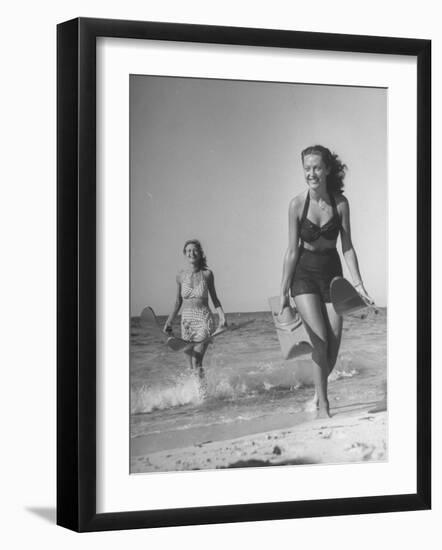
pixel 188 352
pixel 199 351
pixel 311 310
pixel 334 333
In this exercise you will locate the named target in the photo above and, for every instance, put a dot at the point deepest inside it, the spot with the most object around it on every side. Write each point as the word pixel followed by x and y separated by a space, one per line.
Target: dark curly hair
pixel 335 179
pixel 203 259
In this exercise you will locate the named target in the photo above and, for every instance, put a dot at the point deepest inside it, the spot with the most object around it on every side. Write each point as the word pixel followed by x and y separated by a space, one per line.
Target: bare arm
pixel 176 307
pixel 348 250
pixel 216 303
pixel 291 255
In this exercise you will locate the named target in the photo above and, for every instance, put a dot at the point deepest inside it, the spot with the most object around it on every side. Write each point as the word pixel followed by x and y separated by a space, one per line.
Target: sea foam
pixel 145 399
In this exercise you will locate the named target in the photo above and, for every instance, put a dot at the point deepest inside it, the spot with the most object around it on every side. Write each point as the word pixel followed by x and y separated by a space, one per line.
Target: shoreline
pixel 275 429
pixel 353 435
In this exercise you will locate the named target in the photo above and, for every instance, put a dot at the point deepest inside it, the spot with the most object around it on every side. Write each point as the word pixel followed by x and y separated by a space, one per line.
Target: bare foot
pixel 323 412
pixel 312 405
pixel 324 409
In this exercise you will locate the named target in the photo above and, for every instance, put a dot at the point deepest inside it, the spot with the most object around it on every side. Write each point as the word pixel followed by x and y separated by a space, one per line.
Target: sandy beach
pixel 353 435
pixel 254 412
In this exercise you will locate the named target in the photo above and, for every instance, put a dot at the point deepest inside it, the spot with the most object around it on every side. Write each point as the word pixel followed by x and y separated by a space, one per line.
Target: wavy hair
pixel 203 259
pixel 335 179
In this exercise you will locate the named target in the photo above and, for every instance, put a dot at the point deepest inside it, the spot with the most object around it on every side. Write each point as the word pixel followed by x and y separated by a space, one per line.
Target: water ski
pixel 149 320
pixel 292 336
pixel 177 344
pixel 345 298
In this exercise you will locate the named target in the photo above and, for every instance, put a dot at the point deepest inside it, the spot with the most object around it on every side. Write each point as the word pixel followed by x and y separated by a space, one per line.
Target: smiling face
pixel 193 254
pixel 315 172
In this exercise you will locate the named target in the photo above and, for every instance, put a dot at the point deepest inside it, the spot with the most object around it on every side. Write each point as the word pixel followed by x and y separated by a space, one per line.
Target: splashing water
pixel 245 376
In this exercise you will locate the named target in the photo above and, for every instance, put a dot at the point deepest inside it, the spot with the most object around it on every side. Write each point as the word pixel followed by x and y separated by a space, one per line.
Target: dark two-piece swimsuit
pixel 315 269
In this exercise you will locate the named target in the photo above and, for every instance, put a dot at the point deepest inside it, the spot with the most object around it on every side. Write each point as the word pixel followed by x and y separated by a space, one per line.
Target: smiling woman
pixel 194 285
pixel 211 150
pixel 316 219
pixel 216 157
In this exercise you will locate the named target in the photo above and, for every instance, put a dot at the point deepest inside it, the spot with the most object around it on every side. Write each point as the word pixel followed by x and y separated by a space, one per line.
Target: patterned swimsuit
pixel 197 322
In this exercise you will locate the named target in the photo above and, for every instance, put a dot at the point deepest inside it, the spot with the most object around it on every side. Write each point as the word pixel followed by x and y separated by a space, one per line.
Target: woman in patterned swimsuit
pixel 193 289
pixel 316 219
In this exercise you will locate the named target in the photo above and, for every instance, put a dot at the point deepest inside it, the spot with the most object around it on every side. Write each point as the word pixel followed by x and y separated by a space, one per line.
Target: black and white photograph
pixel 220 236
pixel 258 274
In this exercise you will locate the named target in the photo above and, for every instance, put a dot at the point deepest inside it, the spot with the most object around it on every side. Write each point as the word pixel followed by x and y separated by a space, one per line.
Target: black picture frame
pixel 77 288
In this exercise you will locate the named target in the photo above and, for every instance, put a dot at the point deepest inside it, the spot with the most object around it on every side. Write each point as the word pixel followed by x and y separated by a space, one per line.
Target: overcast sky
pixel 219 160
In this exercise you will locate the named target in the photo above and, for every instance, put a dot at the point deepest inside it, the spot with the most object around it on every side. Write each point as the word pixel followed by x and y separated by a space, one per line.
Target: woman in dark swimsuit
pixel 316 218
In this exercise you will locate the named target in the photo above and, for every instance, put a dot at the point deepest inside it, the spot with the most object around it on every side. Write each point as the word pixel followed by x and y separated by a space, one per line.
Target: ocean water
pixel 248 384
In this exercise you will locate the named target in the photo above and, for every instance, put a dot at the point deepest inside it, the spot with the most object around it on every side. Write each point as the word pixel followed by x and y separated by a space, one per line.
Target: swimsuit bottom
pixel 197 322
pixel 314 272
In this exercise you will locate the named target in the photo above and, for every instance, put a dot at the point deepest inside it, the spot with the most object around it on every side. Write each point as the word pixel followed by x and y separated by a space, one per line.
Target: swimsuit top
pixel 200 288
pixel 310 232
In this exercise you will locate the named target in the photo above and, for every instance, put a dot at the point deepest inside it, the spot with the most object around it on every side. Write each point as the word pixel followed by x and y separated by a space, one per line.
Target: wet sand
pixel 353 434
pixel 271 427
